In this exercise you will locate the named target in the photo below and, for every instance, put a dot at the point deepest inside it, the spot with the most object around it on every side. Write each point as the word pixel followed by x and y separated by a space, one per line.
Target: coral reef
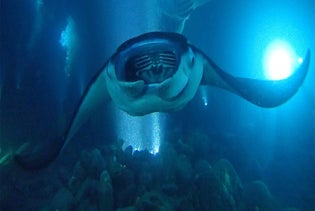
pixel 89 188
pixel 231 182
pixel 258 197
pixel 177 178
pixel 110 178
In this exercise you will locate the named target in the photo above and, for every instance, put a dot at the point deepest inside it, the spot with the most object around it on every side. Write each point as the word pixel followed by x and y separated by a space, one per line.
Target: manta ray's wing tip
pixel 266 93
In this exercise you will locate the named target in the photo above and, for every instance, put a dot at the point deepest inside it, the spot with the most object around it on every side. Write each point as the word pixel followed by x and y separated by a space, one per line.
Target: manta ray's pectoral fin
pixel 93 98
pixel 42 155
pixel 264 93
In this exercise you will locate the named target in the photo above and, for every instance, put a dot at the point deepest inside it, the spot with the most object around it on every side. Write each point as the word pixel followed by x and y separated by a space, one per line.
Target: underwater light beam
pixel 39 5
pixel 156 132
pixel 37 25
pixel 280 60
pixel 140 132
pixel 69 40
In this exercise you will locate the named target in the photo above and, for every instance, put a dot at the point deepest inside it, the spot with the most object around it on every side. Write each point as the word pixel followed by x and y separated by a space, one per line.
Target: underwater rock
pixel 211 193
pixel 115 153
pixel 91 184
pixel 257 197
pixel 183 171
pixel 93 163
pixel 87 193
pixel 125 197
pixel 131 208
pixel 199 142
pixel 167 171
pixel 78 177
pixel 144 179
pixel 169 189
pixel 124 185
pixel 95 194
pixel 183 148
pixel 201 167
pixel 152 201
pixel 128 153
pixel 106 197
pixel 291 209
pixel 230 180
pixel 186 204
pixel 63 200
pixel 141 158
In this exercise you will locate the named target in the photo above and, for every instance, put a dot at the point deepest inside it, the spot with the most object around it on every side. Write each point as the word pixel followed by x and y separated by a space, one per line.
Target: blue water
pixel 41 81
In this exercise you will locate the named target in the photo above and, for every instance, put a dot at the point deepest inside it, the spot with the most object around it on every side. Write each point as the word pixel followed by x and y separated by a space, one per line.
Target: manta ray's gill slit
pixel 168 59
pixel 142 62
pixel 152 67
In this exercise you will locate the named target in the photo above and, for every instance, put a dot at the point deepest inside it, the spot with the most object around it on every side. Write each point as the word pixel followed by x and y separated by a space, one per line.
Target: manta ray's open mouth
pixel 152 57
pixel 153 67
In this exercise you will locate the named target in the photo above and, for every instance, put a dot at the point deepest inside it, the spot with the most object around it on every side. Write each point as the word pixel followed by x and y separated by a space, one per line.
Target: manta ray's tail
pixel 40 156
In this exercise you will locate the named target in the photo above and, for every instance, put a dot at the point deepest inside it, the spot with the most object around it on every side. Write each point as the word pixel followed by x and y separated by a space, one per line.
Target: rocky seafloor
pixel 182 176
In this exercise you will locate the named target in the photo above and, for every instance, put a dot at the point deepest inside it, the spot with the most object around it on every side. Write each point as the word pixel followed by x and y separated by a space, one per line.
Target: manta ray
pixel 159 72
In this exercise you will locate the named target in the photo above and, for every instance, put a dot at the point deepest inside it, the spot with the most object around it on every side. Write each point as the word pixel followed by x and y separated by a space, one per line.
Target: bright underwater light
pixel 68 40
pixel 204 96
pixel 37 25
pixel 280 60
pixel 67 35
pixel 39 4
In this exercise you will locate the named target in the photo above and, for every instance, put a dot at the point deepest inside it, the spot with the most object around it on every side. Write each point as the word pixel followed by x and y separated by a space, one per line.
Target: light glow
pixel 39 5
pixel 37 25
pixel 280 60
pixel 204 96
pixel 140 132
pixel 68 40
pixel 156 133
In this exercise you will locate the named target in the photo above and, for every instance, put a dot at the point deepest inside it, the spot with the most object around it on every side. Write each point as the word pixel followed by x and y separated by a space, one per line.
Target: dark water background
pixel 274 145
